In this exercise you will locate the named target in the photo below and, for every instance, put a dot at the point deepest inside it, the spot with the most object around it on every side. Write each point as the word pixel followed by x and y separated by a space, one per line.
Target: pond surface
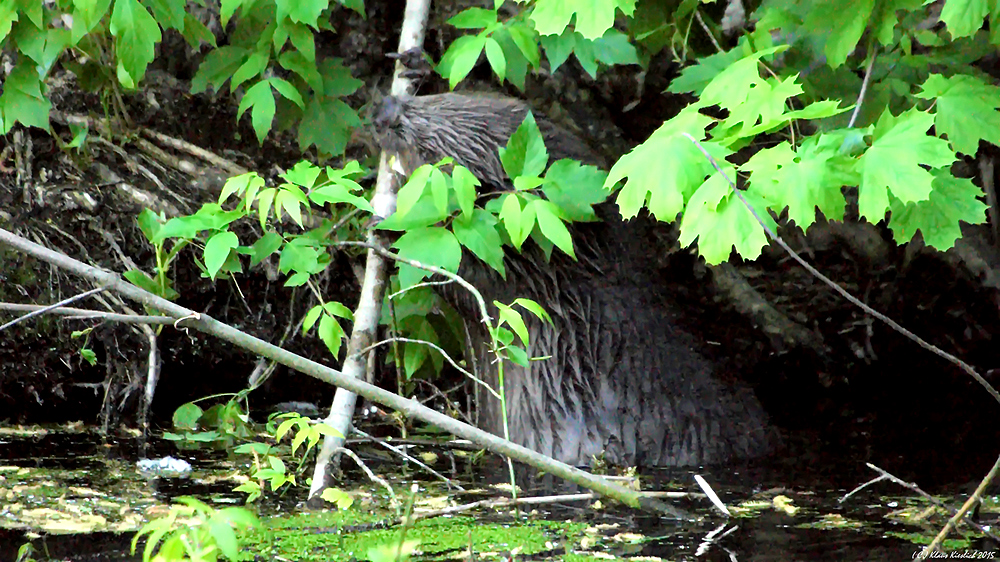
pixel 76 496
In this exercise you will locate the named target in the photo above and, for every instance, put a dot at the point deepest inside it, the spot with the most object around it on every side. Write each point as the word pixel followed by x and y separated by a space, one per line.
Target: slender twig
pixel 371 475
pixel 537 500
pixel 857 489
pixel 421 284
pixel 504 502
pixel 439 350
pixel 957 515
pixel 85 314
pixel 45 309
pixel 864 86
pixel 447 481
pixel 707 30
pixel 431 268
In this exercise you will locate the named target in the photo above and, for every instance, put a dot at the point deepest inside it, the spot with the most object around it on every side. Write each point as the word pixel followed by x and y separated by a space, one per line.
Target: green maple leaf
pixel 695 78
pixel 666 169
pixel 611 49
pixel 966 110
pixel 964 17
pixel 895 162
pixel 136 35
pixel 937 218
pixel 843 22
pixel 804 180
pixel 763 107
pixel 720 221
pixel 738 84
pixel 884 19
pixel 592 18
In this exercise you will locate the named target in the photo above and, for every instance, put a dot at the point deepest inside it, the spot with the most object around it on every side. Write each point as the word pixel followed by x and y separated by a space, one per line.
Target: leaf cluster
pixel 195 531
pixel 789 84
pixel 269 56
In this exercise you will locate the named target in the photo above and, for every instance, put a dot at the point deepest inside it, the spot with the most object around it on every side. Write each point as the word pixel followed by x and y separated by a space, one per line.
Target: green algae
pixel 337 536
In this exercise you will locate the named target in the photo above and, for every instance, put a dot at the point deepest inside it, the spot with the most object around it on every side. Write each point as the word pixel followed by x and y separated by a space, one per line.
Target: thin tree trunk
pixel 373 289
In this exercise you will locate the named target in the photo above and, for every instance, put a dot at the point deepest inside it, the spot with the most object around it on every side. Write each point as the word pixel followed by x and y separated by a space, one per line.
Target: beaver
pixel 620 379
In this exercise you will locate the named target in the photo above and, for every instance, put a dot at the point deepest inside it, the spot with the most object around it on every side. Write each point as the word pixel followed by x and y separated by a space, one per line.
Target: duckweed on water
pixel 321 537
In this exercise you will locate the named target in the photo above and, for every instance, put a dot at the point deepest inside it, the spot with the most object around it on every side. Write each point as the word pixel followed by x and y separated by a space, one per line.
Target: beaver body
pixel 621 379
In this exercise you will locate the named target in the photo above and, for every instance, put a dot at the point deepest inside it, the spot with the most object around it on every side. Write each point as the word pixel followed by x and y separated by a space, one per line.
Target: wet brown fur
pixel 621 380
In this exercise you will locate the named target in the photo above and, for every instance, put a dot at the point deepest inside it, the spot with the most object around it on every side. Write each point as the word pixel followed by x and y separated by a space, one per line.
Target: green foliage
pixel 330 331
pixel 24 553
pixel 228 425
pixel 419 314
pixel 223 424
pixel 511 47
pixel 965 110
pixel 269 468
pixel 266 35
pixel 894 162
pixel 299 256
pixel 86 353
pixel 593 19
pixel 194 531
pixel 611 48
pixel 22 100
pixel 925 103
pixel 136 34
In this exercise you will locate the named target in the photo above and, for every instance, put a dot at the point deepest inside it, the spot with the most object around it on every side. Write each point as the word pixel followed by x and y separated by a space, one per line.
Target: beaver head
pixel 467 127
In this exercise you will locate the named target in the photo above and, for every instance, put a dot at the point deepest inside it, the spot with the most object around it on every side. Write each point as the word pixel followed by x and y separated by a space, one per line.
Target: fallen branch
pixel 187 318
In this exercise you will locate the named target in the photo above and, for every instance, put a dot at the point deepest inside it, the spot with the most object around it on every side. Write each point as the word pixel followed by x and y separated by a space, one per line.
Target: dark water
pixel 822 528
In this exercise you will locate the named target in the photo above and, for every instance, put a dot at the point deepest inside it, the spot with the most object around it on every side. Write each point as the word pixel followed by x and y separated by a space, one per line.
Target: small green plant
pixel 24 553
pixel 86 353
pixel 223 424
pixel 159 283
pixel 268 466
pixel 196 532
